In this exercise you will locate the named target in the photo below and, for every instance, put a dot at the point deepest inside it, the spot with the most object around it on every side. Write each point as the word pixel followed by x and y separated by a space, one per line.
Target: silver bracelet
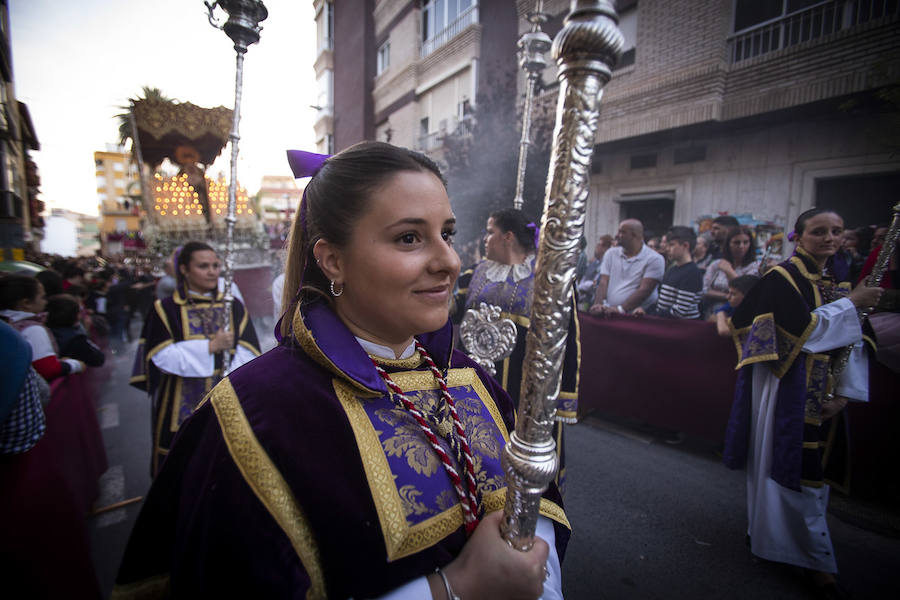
pixel 450 594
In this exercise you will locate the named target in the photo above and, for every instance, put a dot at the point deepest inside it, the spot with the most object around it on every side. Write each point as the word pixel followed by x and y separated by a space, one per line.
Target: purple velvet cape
pixel 171 320
pixel 298 477
pixel 770 327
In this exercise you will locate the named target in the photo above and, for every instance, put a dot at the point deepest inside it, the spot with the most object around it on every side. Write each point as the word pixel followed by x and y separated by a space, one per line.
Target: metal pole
pixel 243 28
pixel 586 49
pixel 532 46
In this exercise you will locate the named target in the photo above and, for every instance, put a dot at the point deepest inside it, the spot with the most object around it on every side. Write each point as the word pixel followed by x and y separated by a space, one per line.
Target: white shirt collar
pixel 497 272
pixel 385 352
pixel 15 315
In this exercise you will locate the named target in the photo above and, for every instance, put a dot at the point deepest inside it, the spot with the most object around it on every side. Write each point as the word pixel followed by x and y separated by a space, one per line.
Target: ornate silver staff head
pixel 243 21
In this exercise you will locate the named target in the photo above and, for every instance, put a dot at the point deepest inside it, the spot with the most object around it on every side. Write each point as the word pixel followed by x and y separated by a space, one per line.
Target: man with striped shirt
pixel 682 285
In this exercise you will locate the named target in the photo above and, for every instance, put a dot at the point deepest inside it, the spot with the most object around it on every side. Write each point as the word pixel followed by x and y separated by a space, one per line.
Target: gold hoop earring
pixel 334 293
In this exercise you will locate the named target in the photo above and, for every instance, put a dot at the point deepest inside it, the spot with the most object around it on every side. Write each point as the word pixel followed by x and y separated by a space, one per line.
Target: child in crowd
pixel 737 289
pixel 22 302
pixel 63 320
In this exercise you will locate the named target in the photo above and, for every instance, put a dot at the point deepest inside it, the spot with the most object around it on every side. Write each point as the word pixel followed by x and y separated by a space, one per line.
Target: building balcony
pixel 807 25
pixel 465 19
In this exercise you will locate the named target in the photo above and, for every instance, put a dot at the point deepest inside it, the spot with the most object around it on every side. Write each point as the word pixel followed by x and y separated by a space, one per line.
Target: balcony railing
pixel 806 25
pixel 467 17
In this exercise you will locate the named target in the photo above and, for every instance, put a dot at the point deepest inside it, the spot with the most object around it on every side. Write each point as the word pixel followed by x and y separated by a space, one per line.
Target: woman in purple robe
pixel 361 456
pixel 179 355
pixel 788 331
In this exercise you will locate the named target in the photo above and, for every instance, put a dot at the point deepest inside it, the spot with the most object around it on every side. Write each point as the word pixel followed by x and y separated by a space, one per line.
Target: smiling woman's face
pixel 399 267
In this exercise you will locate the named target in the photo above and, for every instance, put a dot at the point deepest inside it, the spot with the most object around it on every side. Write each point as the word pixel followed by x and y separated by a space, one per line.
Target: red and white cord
pixel 467 493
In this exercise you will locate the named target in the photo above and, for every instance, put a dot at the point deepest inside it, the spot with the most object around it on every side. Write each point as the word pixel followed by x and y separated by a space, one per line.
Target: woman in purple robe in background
pixel 179 356
pixel 789 330
pixel 361 456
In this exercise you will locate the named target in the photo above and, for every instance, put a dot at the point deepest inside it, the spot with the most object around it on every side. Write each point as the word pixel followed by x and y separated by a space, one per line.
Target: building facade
pixel 118 199
pixel 406 71
pixel 756 108
pixel 21 224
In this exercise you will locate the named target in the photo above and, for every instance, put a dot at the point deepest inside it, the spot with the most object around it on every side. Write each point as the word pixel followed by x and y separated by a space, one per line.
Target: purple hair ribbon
pixel 304 164
pixel 537 234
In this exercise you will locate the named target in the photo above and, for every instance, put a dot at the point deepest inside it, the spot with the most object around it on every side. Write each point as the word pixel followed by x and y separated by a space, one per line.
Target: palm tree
pixel 149 93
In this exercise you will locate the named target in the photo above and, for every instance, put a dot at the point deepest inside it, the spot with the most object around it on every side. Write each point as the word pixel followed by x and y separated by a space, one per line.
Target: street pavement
pixel 651 520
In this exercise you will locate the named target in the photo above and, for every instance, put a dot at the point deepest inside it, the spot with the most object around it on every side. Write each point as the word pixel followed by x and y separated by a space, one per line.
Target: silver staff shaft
pixel 585 50
pixel 230 219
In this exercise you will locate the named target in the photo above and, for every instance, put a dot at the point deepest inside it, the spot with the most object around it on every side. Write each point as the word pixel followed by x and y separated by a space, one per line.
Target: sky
pixel 76 63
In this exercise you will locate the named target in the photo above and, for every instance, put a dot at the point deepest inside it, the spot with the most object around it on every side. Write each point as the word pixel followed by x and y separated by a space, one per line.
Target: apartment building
pixel 406 71
pixel 21 223
pixel 118 198
pixel 761 108
pixel 278 198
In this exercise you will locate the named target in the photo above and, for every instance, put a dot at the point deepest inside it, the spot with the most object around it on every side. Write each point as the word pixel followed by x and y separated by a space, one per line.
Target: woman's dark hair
pixel 334 200
pixel 743 283
pixel 62 310
pixel 805 216
pixel 750 256
pixel 14 288
pixel 184 257
pixel 511 219
pixel 51 280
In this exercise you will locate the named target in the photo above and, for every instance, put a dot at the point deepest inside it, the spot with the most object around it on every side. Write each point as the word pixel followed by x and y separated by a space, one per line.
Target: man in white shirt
pixel 629 273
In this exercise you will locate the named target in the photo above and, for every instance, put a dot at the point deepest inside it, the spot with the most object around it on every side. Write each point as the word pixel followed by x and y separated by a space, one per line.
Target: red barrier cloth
pixel 668 373
pixel 256 286
pixel 46 495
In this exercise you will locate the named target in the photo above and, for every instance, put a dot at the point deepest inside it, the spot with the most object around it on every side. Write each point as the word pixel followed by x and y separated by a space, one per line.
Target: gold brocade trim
pixel 784 273
pixel 785 364
pixel 811 484
pixel 399 363
pixel 186 325
pixel 176 402
pixel 504 380
pixel 137 379
pixel 569 417
pixel 308 343
pixel 812 421
pixel 517 319
pixel 267 483
pixel 160 311
pixel 163 402
pixel 568 395
pixel 496 499
pixel 813 445
pixel 249 347
pixel 152 588
pixel 401 539
pixel 736 335
pixel 156 349
pixel 801 266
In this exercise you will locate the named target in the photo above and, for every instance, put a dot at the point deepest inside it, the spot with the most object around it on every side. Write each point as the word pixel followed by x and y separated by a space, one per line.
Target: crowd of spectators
pixel 688 275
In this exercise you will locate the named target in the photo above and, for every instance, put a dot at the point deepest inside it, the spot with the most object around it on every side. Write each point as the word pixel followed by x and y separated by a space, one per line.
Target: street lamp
pixel 243 28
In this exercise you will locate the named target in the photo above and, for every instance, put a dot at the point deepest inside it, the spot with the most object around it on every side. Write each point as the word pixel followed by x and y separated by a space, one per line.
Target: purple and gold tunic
pixel 300 478
pixel 175 319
